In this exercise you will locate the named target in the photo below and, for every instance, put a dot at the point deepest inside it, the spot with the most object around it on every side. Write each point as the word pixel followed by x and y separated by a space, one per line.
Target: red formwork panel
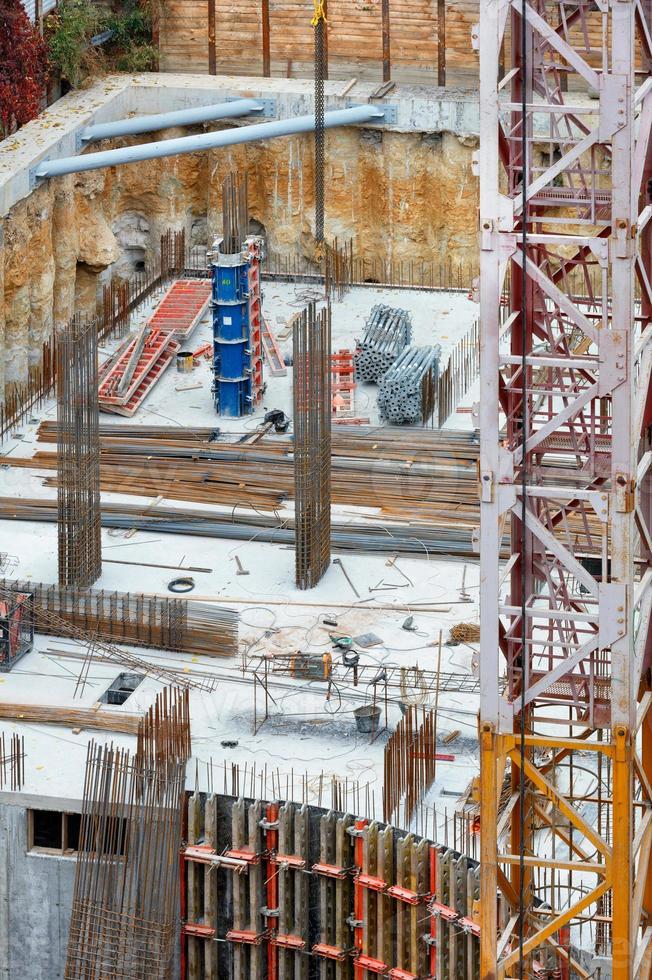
pixel 182 307
pixel 155 344
pixel 137 396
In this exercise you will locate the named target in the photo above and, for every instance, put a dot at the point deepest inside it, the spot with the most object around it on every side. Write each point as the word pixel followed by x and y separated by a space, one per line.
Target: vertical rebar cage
pixel 312 444
pixel 78 455
pixel 125 903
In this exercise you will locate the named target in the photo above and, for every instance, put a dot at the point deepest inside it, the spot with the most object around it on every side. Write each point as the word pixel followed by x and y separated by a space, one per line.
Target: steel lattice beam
pixel 569 632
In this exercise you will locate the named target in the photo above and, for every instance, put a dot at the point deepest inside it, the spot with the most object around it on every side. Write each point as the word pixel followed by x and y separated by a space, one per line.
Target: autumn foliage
pixel 23 67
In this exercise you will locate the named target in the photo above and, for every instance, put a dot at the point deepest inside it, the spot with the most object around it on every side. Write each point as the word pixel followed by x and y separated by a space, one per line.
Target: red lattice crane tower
pixel 565 243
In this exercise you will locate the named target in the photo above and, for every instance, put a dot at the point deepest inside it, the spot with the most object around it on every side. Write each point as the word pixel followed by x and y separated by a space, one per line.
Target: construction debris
pixel 465 633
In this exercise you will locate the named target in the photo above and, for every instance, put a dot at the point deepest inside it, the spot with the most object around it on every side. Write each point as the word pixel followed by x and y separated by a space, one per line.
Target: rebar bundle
pixel 235 213
pixel 388 330
pixel 406 393
pixel 78 455
pixel 312 445
pixel 131 617
pixel 125 904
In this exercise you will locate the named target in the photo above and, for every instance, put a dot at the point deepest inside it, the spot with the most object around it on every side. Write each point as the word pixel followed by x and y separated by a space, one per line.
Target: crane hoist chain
pixel 319 25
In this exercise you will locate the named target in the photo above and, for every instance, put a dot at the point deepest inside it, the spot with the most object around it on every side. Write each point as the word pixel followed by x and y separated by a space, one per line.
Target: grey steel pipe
pixel 206 141
pixel 163 120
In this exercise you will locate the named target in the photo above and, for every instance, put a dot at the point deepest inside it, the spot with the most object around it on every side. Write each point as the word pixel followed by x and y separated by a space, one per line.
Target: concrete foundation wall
pixel 35 901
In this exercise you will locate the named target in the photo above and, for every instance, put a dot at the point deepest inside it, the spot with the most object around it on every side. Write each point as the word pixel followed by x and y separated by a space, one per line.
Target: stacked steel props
pixel 387 332
pixel 406 391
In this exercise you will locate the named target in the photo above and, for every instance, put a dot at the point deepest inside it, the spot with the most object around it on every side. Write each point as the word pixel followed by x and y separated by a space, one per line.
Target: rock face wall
pixel 399 196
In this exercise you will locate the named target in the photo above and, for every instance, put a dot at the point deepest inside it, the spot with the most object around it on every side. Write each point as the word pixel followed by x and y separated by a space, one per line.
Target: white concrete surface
pixel 306 732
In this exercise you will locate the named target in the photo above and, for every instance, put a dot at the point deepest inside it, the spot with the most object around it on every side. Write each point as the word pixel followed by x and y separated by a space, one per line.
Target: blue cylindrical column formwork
pixel 231 334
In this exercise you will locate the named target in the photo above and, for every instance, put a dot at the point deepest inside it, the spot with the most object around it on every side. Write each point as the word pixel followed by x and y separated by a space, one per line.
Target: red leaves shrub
pixel 23 67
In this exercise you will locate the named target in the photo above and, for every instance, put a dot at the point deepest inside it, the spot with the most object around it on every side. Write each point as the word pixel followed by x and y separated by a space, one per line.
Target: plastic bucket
pixel 367 718
pixel 185 361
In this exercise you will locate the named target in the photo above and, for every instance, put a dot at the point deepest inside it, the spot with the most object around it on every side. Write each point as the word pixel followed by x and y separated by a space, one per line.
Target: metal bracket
pixel 486 486
pixel 355 832
pixel 264 823
pixel 624 493
pixel 390 109
pixel 613 612
pixel 614 109
pixel 269 105
pixel 35 181
pixel 486 235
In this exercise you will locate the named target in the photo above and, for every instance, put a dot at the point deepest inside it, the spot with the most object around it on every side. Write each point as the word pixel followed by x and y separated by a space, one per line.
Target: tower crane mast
pixel 565 217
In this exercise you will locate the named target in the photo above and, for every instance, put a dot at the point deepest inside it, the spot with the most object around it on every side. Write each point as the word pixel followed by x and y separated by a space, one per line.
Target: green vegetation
pixel 71 26
pixel 130 48
pixel 69 30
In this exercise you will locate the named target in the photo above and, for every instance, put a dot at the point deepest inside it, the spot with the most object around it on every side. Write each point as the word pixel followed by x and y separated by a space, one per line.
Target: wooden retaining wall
pixel 354 37
pixel 429 40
